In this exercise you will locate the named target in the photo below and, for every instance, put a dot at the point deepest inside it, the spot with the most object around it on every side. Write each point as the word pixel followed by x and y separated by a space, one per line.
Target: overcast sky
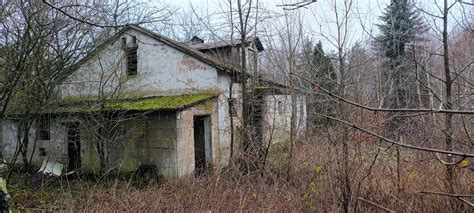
pixel 319 17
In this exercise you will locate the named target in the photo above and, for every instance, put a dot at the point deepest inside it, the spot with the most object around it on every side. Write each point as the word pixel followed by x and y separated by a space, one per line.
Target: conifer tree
pixel 401 24
pixel 324 74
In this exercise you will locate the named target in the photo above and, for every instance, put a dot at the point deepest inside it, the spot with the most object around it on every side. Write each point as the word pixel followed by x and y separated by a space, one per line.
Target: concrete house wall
pixel 162 70
pixel 164 140
pixel 185 128
pixel 277 117
pixel 53 147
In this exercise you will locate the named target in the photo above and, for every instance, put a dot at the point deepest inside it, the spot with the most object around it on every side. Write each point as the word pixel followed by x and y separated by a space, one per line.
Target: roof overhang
pixel 157 103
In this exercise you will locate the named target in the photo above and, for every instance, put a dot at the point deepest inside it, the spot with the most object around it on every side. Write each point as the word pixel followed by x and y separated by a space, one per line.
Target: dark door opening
pixel 73 146
pixel 202 143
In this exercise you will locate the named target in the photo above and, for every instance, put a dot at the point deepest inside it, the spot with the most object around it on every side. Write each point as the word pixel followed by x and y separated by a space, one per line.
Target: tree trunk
pixel 448 121
pixel 292 125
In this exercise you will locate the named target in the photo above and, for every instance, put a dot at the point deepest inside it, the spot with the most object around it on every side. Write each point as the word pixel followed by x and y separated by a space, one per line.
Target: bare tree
pixel 43 50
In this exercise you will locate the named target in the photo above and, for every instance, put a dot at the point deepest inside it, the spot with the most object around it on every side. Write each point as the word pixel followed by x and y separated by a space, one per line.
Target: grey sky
pixel 319 17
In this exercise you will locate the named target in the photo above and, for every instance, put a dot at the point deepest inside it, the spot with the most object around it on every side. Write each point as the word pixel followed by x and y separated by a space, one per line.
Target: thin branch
pixel 440 110
pixel 466 3
pixel 445 194
pixel 428 13
pixel 79 19
pixel 462 70
pixel 375 204
pixel 464 155
pixel 447 163
pixel 466 201
pixel 461 197
pixel 297 5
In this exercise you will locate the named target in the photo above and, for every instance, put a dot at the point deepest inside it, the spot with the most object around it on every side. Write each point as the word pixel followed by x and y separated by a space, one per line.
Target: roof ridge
pixel 186 49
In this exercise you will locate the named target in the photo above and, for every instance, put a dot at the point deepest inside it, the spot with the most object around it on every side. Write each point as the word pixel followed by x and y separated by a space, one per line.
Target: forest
pixel 388 115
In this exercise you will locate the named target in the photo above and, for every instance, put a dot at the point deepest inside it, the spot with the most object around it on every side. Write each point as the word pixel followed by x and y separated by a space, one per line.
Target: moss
pixel 128 163
pixel 91 160
pixel 208 105
pixel 270 90
pixel 163 102
pixel 154 103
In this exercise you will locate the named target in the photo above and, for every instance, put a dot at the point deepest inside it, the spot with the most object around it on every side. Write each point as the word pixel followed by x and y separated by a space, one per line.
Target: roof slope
pixel 186 49
pixel 157 103
pixel 211 61
pixel 226 43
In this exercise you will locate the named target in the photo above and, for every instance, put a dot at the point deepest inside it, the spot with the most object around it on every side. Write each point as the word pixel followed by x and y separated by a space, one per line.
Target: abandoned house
pixel 141 99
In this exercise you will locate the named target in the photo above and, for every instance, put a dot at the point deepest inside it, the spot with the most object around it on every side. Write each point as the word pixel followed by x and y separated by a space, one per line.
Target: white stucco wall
pixel 162 70
pixel 54 148
pixel 277 119
pixel 9 139
pixel 185 140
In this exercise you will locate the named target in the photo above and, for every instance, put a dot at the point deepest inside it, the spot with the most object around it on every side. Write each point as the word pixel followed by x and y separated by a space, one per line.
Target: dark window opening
pixel 233 111
pixel 42 152
pixel 43 133
pixel 280 107
pixel 132 60
pixel 131 55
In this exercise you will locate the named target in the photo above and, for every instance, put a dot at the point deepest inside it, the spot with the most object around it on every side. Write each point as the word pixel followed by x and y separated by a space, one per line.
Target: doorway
pixel 73 146
pixel 202 143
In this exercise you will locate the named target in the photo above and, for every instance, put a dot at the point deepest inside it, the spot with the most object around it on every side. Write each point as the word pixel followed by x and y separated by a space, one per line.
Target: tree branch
pixel 296 5
pixel 467 3
pixel 445 194
pixel 79 19
pixel 383 109
pixel 461 197
pixel 375 204
pixel 464 155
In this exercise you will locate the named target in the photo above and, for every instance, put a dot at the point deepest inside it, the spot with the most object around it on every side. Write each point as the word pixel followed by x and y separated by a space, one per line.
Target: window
pixel 132 60
pixel 43 133
pixel 131 55
pixel 280 107
pixel 232 110
pixel 42 151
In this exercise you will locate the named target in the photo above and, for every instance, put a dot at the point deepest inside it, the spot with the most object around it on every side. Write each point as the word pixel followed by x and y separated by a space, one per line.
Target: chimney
pixel 196 40
pixel 134 41
pixel 124 42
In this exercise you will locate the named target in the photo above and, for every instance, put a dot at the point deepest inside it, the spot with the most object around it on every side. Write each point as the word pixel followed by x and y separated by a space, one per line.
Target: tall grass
pixel 313 185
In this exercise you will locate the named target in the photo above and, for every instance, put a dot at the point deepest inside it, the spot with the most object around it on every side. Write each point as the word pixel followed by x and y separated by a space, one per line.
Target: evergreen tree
pixel 401 24
pixel 323 73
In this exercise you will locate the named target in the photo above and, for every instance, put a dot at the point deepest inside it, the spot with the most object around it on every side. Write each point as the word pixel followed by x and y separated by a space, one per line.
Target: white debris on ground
pixel 51 168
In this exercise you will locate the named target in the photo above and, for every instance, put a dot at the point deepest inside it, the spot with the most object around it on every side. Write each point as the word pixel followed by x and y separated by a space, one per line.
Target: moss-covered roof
pixel 145 104
pixel 271 90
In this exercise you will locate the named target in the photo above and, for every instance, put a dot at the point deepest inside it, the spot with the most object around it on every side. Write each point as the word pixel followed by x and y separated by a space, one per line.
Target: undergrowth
pixel 313 185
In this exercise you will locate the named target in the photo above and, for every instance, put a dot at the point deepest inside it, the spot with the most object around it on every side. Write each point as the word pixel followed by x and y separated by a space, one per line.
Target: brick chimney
pixel 196 40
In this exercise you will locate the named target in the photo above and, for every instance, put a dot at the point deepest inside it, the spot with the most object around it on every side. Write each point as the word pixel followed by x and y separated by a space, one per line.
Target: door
pixel 202 143
pixel 73 146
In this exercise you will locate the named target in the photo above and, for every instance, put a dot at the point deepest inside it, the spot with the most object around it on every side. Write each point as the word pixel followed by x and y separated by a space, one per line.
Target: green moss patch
pixel 144 104
pixel 271 90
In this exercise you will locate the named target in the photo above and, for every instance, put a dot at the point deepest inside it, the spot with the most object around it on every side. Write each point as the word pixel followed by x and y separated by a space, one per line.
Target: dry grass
pixel 314 185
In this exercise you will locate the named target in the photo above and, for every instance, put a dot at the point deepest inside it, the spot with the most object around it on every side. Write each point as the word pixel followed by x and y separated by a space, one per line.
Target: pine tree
pixel 323 73
pixel 401 24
